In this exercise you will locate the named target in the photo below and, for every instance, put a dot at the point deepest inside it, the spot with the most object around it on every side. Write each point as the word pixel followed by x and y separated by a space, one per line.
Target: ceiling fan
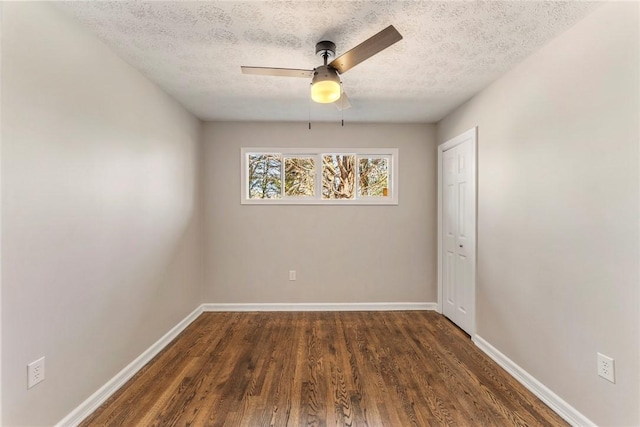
pixel 325 82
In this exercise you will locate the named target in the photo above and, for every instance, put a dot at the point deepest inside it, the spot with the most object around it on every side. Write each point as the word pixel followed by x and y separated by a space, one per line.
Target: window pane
pixel 373 177
pixel 299 177
pixel 338 176
pixel 264 176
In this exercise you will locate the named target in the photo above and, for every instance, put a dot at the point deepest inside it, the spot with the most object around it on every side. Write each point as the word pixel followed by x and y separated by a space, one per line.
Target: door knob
pixel 460 245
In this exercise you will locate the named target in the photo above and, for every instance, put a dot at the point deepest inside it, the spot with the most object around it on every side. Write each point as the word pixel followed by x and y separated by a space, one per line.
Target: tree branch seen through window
pixel 365 176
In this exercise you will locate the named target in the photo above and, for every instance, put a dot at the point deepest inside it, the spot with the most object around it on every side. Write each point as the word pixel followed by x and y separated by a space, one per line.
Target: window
pixel 319 176
pixel 265 176
pixel 373 176
pixel 300 176
pixel 338 176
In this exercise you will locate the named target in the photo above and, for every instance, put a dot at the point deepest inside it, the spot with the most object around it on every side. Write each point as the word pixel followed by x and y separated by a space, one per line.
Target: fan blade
pixel 343 102
pixel 366 49
pixel 280 72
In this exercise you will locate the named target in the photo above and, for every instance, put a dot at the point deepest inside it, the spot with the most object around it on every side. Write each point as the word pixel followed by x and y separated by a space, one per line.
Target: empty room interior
pixel 192 234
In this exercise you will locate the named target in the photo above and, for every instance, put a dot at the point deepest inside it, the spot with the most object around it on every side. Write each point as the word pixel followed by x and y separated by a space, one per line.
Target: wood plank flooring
pixel 319 369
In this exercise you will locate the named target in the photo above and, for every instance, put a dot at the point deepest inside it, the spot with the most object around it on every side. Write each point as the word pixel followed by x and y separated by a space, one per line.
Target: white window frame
pixel 317 153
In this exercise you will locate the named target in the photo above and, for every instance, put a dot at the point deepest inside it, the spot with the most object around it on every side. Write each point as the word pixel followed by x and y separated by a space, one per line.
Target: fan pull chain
pixel 310 113
pixel 342 103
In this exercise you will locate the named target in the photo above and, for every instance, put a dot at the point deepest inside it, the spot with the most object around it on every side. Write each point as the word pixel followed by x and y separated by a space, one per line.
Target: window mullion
pixel 282 177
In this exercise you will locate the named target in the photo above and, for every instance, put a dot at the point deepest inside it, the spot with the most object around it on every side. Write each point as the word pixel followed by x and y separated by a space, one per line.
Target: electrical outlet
pixel 292 275
pixel 606 368
pixel 35 372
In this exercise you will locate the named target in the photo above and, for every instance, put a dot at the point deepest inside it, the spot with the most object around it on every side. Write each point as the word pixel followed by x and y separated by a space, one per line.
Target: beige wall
pixel 558 236
pixel 341 253
pixel 99 214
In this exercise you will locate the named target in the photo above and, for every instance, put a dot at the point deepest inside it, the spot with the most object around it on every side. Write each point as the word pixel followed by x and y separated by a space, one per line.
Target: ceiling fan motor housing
pixel 326 47
pixel 324 73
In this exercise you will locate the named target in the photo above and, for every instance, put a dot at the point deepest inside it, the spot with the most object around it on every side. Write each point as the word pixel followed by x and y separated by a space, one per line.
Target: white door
pixel 457 230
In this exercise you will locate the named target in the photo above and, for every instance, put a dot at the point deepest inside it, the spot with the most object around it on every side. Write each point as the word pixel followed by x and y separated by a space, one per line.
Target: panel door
pixel 458 240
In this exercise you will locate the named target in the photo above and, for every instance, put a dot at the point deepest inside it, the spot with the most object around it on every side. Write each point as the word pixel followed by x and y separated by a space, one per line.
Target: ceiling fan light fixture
pixel 325 86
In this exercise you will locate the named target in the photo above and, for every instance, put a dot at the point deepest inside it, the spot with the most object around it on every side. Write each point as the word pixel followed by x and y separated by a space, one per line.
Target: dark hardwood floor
pixel 323 368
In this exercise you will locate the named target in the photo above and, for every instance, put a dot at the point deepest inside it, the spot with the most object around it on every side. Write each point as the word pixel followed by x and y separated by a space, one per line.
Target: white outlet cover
pixel 35 372
pixel 606 368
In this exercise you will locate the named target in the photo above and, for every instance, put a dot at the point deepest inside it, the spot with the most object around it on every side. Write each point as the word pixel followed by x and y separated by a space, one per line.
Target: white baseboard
pixel 87 407
pixel 367 306
pixel 555 402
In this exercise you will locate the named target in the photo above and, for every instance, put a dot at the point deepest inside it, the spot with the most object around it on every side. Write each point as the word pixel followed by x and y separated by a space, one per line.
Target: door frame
pixel 471 134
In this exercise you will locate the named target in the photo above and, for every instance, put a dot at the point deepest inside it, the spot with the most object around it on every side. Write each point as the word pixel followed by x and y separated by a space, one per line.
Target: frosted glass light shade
pixel 325 91
pixel 325 85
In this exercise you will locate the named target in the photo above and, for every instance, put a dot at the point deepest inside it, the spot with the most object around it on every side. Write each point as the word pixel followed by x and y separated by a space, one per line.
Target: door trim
pixel 471 134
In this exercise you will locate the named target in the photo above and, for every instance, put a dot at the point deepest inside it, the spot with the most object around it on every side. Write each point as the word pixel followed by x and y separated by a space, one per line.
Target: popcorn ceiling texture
pixel 450 51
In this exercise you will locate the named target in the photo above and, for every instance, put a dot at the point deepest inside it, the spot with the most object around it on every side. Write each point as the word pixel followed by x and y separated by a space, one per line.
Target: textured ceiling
pixel 450 51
